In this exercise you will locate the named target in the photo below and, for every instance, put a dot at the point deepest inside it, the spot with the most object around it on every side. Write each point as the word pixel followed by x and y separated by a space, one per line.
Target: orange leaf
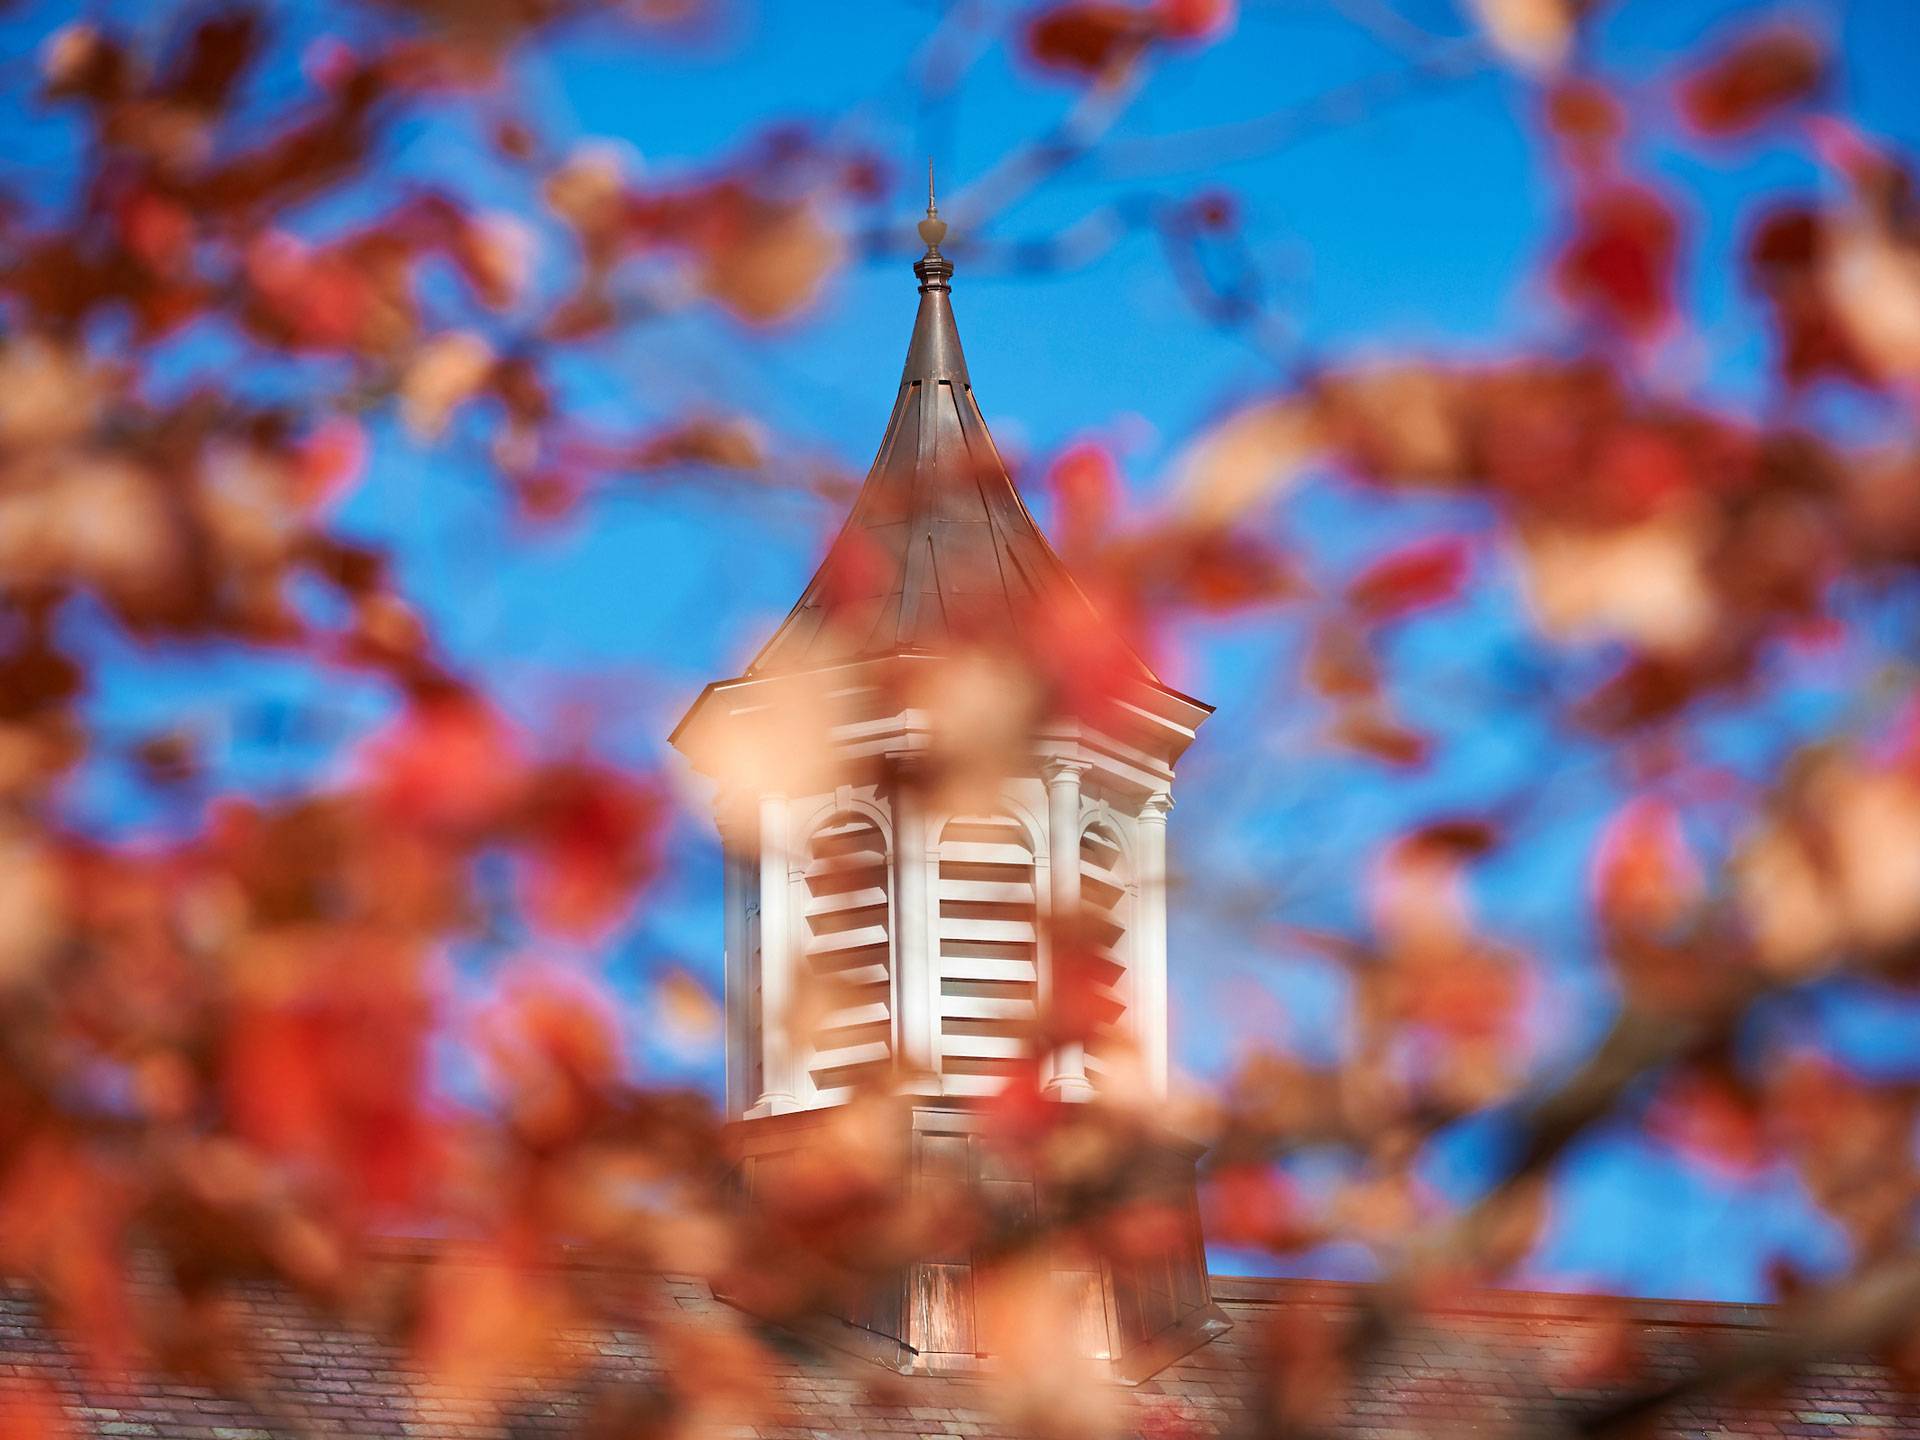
pixel 1414 577
pixel 1747 84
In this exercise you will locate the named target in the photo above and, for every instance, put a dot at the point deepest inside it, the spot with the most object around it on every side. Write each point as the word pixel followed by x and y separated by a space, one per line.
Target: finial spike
pixel 932 229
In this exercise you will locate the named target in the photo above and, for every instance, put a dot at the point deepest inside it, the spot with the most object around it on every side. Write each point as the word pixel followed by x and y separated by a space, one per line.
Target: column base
pixel 772 1105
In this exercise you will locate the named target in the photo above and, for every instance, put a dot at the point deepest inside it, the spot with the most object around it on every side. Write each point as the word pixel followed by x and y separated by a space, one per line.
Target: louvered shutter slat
pixel 989 951
pixel 849 949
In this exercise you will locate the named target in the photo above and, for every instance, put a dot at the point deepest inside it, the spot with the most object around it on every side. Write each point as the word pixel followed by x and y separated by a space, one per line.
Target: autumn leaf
pixel 330 461
pixel 1196 19
pixel 1415 577
pixel 1710 1117
pixel 1533 34
pixel 1245 460
pixel 592 842
pixel 1752 81
pixel 444 374
pixel 687 1016
pixel 1085 484
pixel 1618 266
pixel 1587 118
pixel 1372 731
pixel 448 761
pixel 768 262
pixel 1088 38
pixel 1645 875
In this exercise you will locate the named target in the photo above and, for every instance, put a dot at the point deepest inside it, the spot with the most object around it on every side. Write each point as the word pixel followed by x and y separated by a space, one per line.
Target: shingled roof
pixel 939 546
pixel 1489 1365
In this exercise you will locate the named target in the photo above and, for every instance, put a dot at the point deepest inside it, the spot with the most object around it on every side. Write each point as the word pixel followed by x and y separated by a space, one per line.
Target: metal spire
pixel 934 353
pixel 961 557
pixel 932 229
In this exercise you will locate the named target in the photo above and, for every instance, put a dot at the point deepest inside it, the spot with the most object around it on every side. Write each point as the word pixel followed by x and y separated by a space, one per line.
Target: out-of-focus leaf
pixel 446 372
pixel 1245 460
pixel 769 261
pixel 1645 876
pixel 1196 19
pixel 1618 266
pixel 1417 576
pixel 1752 80
pixel 1088 38
pixel 1533 34
pixel 1647 582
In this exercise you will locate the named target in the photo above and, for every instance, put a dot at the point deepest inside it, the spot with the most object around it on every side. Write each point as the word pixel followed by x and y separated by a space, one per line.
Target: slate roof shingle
pixel 1493 1364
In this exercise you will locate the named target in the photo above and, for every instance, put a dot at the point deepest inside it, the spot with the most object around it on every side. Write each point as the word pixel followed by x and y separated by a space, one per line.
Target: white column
pixel 1150 942
pixel 1068 1078
pixel 779 1093
pixel 913 947
pixel 737 889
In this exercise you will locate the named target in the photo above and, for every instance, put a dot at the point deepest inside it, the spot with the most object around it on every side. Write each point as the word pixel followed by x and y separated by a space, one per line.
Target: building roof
pixel 939 548
pixel 1489 1364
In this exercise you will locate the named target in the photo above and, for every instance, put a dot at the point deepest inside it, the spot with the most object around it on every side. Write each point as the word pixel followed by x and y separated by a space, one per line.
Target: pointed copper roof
pixel 939 546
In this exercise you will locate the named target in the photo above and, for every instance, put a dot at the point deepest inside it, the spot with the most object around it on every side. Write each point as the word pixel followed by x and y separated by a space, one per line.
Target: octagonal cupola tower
pixel 885 930
pixel 933 928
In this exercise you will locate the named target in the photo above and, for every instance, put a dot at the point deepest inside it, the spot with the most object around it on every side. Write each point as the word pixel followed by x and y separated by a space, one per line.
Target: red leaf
pixel 449 761
pixel 1339 664
pixel 1645 876
pixel 594 842
pixel 1709 1117
pixel 330 460
pixel 1619 265
pixel 1218 571
pixel 1086 487
pixel 555 1052
pixel 1785 258
pixel 1414 577
pixel 1365 729
pixel 857 568
pixel 1089 38
pixel 1745 86
pixel 1585 116
pixel 1251 1205
pixel 1195 19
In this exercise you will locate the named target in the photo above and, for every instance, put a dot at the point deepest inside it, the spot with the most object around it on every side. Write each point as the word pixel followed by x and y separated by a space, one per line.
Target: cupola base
pixel 906 1228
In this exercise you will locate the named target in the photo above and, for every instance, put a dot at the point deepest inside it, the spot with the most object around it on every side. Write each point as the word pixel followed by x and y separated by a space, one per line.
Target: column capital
pixel 1055 767
pixel 1154 808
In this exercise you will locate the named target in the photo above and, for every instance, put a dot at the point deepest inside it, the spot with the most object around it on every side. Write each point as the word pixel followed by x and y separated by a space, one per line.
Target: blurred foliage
pixel 216 1051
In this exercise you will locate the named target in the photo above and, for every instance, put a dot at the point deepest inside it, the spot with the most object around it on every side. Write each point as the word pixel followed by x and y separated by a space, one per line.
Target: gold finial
pixel 932 229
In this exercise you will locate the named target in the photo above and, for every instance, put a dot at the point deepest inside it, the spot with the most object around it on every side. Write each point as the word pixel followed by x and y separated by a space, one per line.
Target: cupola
pixel 887 934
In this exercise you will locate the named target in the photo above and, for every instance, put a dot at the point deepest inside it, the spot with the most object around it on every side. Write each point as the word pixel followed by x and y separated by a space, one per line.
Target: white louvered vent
pixel 1104 905
pixel 848 953
pixel 989 952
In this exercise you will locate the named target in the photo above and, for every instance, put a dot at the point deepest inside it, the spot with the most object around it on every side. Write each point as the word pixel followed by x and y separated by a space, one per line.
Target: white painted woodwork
pixel 1067 1068
pixel 1151 1020
pixel 779 1092
pixel 1105 906
pixel 740 897
pixel 918 1051
pixel 843 896
pixel 988 951
pixel 922 937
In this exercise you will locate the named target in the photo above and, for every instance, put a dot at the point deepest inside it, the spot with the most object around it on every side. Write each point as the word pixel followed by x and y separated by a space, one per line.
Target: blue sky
pixel 1418 226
